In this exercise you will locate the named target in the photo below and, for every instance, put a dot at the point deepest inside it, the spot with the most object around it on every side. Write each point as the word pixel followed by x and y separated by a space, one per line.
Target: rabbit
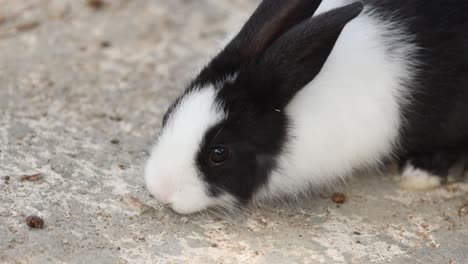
pixel 309 92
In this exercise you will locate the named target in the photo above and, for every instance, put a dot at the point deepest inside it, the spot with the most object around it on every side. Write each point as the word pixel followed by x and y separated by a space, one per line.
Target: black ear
pixel 270 20
pixel 294 60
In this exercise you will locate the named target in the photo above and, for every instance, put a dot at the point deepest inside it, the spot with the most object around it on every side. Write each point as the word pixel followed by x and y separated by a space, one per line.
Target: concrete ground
pixel 82 90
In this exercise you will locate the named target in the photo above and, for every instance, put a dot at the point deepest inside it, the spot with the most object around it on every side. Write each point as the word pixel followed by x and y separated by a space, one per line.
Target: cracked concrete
pixel 82 92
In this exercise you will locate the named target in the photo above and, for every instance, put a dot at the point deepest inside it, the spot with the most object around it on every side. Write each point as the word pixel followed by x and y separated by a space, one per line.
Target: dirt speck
pixel 115 118
pixel 35 222
pixel 338 198
pixel 136 204
pixel 28 26
pixel 132 201
pixel 214 245
pixel 32 177
pixel 115 141
pixel 105 44
pixel 96 4
pixel 6 179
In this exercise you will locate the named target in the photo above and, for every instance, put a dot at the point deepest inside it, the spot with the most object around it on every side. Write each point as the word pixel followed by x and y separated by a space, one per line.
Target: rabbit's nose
pixel 163 195
pixel 164 199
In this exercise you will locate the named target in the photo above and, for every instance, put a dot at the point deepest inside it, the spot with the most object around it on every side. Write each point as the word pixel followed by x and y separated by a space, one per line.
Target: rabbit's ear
pixel 294 60
pixel 271 19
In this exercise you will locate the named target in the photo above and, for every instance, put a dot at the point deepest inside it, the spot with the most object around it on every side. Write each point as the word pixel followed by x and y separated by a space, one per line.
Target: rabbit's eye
pixel 219 155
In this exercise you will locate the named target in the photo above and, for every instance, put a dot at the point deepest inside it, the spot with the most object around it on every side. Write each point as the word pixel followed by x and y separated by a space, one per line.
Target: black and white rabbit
pixel 308 92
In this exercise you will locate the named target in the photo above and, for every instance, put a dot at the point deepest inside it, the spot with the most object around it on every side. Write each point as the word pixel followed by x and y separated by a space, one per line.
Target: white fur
pixel 418 180
pixel 348 117
pixel 171 174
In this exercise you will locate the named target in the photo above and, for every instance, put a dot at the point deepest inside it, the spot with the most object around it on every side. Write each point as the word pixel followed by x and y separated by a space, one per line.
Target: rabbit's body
pixel 404 96
pixel 349 115
pixel 295 102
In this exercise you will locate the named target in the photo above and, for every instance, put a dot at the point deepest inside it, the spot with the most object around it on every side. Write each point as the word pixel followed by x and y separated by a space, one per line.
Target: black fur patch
pixel 436 120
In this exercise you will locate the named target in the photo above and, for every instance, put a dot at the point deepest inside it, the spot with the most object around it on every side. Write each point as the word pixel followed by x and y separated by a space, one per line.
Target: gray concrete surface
pixel 73 79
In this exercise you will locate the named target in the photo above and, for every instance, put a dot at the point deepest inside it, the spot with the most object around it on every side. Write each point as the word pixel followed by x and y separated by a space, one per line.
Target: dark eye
pixel 219 155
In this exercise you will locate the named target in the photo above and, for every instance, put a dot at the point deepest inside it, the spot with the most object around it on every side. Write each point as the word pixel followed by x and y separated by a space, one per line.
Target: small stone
pixel 463 210
pixel 434 245
pixel 262 221
pixel 357 233
pixel 339 198
pixel 35 222
pixel 214 245
pixel 115 141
